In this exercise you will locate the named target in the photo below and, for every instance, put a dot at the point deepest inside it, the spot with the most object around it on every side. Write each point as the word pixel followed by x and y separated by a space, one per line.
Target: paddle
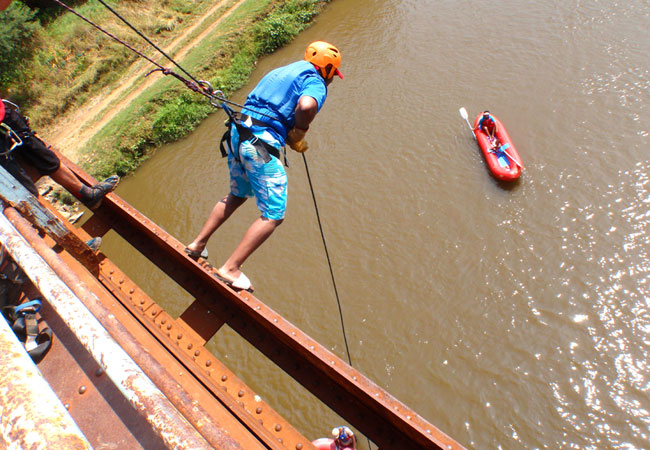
pixel 463 114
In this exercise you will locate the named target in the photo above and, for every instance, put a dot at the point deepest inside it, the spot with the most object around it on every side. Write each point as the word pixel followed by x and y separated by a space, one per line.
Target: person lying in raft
pixel 278 111
pixel 21 149
pixel 488 125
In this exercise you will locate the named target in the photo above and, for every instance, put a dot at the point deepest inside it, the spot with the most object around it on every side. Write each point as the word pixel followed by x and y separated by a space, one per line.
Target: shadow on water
pixel 508 185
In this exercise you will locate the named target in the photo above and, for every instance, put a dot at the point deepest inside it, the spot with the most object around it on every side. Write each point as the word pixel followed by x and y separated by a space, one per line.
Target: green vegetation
pixel 17 26
pixel 67 63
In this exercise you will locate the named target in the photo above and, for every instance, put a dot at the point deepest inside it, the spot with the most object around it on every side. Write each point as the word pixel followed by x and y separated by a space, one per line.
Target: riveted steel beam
pixel 187 345
pixel 384 419
pixel 138 389
pixel 31 415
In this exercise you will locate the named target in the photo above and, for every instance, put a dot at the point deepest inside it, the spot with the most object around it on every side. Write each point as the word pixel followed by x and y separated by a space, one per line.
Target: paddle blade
pixel 463 112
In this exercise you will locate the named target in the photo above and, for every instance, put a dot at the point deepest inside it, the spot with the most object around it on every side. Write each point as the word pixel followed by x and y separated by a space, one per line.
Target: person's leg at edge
pixel 90 196
pixel 64 176
pixel 255 236
pixel 220 213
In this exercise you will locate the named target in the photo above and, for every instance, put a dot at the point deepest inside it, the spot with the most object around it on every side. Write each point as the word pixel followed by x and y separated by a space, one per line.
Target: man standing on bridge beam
pixel 278 111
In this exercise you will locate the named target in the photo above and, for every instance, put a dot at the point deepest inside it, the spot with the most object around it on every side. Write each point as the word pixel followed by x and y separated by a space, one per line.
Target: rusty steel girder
pixel 31 415
pixel 138 389
pixel 369 408
pixel 190 408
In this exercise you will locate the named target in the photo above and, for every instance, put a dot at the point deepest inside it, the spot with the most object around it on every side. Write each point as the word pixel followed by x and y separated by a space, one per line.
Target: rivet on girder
pixel 299 446
pixel 224 377
pixel 121 280
pixel 240 393
pixel 189 346
pixel 67 406
pixel 281 441
pixel 278 427
pixel 99 372
pixel 82 389
pixel 169 326
pixel 163 321
pixel 180 336
pixel 258 410
pixel 111 271
pixel 196 353
pixel 154 311
pixel 208 363
pixel 131 291
pixel 142 301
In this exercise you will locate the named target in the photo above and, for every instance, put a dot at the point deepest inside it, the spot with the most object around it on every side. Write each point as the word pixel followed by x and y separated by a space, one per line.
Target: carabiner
pixel 11 134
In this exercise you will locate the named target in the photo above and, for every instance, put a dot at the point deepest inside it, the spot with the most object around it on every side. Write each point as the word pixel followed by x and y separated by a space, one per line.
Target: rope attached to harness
pixel 216 96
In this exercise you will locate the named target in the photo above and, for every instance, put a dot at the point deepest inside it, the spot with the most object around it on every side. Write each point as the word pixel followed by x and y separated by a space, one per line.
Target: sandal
pixel 195 254
pixel 242 283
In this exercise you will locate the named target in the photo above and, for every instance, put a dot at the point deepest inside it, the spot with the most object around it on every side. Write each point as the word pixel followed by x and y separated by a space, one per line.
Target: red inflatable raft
pixel 500 159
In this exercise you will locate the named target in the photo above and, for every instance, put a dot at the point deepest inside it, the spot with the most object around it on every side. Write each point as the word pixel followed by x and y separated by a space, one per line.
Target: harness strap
pixel 264 149
pixel 24 324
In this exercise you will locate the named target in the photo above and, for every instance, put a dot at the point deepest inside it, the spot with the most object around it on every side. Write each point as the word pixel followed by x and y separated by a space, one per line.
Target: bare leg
pixel 220 213
pixel 255 236
pixel 64 176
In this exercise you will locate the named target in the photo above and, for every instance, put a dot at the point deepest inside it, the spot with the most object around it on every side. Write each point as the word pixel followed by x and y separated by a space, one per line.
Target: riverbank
pixel 94 103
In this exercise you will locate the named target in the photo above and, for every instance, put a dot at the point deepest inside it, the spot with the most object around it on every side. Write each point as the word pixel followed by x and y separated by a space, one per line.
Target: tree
pixel 17 31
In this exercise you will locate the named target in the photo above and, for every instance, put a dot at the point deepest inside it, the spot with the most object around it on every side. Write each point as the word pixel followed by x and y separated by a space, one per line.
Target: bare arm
pixel 305 111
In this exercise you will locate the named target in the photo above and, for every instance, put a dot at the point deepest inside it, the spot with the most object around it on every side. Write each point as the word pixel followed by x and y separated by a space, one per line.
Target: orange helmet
pixel 325 57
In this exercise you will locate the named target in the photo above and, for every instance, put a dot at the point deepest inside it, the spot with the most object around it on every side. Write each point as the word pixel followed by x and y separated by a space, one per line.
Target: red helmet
pixel 325 57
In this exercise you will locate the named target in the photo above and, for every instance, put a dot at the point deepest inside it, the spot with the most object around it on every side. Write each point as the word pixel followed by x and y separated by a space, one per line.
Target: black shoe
pixel 99 191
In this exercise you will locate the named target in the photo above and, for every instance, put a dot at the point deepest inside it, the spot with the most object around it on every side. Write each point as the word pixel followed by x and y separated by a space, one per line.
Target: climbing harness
pixel 24 323
pixel 242 123
pixel 21 318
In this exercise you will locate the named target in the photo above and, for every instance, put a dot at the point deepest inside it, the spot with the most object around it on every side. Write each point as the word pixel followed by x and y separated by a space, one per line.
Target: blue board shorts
pixel 251 176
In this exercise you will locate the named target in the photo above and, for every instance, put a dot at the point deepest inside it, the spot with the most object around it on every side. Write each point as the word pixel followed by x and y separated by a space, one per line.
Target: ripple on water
pixel 604 396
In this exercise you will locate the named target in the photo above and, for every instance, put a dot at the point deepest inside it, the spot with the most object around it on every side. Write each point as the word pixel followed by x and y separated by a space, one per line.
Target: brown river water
pixel 508 315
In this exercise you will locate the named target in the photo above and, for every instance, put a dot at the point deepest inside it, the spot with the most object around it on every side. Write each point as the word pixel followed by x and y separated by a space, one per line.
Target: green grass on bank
pixel 72 62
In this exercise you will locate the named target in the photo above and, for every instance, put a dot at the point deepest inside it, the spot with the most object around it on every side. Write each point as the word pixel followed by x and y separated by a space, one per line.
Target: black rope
pixel 336 292
pixel 148 41
pixel 195 85
pixel 109 34
pixel 329 263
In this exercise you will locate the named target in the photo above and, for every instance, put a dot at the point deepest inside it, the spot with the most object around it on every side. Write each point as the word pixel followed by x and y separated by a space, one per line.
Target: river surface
pixel 508 315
